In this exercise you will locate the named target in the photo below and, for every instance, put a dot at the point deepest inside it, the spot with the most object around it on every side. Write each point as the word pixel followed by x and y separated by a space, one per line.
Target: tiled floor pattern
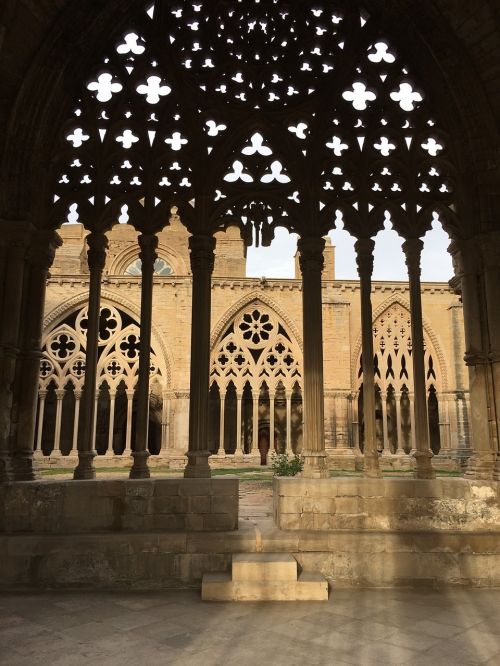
pixel 361 627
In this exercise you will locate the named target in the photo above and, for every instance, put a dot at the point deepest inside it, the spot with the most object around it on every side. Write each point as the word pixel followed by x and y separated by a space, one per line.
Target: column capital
pixel 465 257
pixel 130 393
pixel 148 244
pixel 364 256
pixel 202 253
pixel 98 245
pixel 311 256
pixel 42 249
pixel 412 247
pixel 60 393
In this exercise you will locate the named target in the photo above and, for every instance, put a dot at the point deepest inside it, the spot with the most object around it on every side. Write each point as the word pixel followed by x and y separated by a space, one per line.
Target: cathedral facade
pixel 256 366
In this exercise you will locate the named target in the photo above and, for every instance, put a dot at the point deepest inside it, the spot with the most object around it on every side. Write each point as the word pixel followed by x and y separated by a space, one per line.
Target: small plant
pixel 282 465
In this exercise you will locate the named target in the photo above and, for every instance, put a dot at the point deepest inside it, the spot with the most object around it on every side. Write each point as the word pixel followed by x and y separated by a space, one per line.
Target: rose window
pixel 256 327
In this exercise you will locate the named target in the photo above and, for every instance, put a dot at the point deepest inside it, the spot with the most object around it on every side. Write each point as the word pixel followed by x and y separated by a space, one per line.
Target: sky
pixel 277 261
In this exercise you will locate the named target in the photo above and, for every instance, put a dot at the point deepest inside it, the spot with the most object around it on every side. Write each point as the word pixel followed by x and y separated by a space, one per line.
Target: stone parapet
pixel 76 507
pixel 122 560
pixel 386 504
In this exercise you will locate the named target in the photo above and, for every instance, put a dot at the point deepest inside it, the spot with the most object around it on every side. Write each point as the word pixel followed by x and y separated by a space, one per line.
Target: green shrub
pixel 282 465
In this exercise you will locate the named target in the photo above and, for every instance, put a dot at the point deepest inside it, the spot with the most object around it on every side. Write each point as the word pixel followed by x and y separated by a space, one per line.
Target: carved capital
pixel 412 247
pixel 473 358
pixel 364 256
pixel 42 249
pixel 148 244
pixel 465 257
pixel 311 257
pixel 96 255
pixel 202 253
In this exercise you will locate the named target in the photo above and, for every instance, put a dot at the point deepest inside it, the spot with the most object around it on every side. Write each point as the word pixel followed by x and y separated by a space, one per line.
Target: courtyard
pixel 362 627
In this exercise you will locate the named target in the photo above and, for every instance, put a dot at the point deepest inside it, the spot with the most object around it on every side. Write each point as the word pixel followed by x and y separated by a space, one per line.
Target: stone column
pixel 98 244
pixel 399 430
pixel 289 422
pixel 355 422
pixel 39 259
pixel 272 396
pixel 165 421
pixel 311 262
pixel 16 245
pixel 385 429
pixel 111 428
pixel 222 452
pixel 412 248
pixel 128 431
pixel 465 258
pixel 57 430
pixel 490 247
pixel 202 264
pixel 76 420
pixel 239 447
pixel 148 244
pixel 364 258
pixel 255 421
pixel 411 401
pixel 444 421
pixel 41 413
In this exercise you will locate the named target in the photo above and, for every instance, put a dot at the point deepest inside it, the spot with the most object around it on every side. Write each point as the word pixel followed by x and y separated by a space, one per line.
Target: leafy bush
pixel 282 465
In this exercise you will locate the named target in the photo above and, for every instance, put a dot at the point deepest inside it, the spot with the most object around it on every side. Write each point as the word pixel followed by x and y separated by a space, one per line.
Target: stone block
pixel 190 487
pixel 229 485
pixel 194 521
pixel 139 487
pixel 166 488
pixel 219 521
pixel 172 504
pixel 224 504
pixel 261 567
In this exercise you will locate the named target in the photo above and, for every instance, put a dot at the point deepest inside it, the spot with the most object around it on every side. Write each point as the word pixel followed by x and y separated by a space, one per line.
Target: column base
pixel 22 466
pixel 423 469
pixel 371 467
pixel 85 469
pixel 221 453
pixel 315 466
pixel 482 468
pixel 140 469
pixel 197 465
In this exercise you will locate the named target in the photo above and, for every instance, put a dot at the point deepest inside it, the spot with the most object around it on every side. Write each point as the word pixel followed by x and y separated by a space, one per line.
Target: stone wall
pixel 72 507
pixel 161 560
pixel 386 504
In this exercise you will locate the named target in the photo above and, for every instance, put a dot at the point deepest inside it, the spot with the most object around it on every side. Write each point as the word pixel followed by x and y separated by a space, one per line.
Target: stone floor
pixel 360 627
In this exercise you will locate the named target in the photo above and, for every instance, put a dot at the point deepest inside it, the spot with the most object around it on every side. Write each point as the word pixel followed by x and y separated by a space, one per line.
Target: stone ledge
pixel 59 507
pixel 386 504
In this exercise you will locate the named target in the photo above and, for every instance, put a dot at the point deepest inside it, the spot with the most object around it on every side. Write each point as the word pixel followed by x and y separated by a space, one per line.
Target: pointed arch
pixel 59 313
pixel 397 299
pixel 256 297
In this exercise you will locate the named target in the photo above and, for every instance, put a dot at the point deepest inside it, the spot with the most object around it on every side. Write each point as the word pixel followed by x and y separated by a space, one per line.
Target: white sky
pixel 277 261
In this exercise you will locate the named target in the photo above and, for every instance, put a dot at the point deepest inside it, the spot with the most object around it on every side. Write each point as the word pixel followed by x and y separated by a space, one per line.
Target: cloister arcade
pixel 256 115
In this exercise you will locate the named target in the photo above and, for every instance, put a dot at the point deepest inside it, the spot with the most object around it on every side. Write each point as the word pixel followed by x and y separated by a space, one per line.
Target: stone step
pixel 259 567
pixel 310 586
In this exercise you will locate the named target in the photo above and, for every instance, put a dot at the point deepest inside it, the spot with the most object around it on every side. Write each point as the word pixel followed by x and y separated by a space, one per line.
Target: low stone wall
pixel 72 507
pixel 123 560
pixel 386 504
